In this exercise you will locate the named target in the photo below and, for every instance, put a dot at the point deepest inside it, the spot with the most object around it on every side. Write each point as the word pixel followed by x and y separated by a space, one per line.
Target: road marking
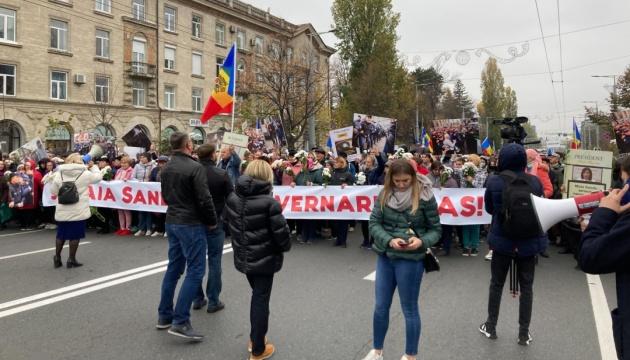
pixel 603 321
pixel 86 287
pixel 371 276
pixel 22 232
pixel 37 251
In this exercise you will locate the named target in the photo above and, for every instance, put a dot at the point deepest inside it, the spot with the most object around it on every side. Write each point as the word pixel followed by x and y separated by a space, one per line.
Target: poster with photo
pixel 32 150
pixel 621 125
pixel 459 135
pixel 21 190
pixel 342 140
pixel 587 171
pixel 273 130
pixel 373 132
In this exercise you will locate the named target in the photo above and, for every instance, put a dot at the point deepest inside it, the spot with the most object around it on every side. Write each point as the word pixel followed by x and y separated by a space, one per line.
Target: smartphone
pixel 403 244
pixel 626 198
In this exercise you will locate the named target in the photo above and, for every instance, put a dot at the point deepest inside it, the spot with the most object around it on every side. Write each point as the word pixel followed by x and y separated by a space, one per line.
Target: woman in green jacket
pixel 404 224
pixel 311 175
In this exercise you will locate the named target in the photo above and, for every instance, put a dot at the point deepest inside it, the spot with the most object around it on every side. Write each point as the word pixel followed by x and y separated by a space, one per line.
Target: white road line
pixel 37 251
pixel 603 321
pixel 371 276
pixel 22 233
pixel 97 284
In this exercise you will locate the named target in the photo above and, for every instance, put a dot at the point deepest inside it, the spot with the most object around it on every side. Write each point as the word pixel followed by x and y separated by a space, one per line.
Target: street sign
pixel 198 123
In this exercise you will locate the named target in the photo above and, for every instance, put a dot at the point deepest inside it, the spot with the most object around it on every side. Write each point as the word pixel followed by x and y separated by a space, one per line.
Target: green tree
pixel 430 85
pixel 492 98
pixel 510 103
pixel 449 106
pixel 463 100
pixel 623 91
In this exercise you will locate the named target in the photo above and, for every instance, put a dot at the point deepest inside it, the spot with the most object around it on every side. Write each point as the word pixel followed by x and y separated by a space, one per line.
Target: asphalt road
pixel 321 306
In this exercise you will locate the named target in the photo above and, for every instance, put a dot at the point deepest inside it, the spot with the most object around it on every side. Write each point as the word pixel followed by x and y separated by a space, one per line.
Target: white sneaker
pixel 489 256
pixel 148 233
pixel 165 235
pixel 139 233
pixel 351 229
pixel 372 355
pixel 52 226
pixel 156 234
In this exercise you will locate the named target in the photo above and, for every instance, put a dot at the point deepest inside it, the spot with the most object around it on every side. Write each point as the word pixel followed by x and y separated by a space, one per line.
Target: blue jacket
pixel 512 157
pixel 374 176
pixel 232 166
pixel 606 249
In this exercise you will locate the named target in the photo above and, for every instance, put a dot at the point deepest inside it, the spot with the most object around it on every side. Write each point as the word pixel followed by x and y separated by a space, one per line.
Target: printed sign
pixel 587 171
pixel 238 141
pixel 342 142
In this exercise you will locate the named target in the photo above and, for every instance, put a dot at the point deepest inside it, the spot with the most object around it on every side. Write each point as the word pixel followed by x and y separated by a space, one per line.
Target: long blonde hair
pixel 74 158
pixel 259 169
pixel 399 167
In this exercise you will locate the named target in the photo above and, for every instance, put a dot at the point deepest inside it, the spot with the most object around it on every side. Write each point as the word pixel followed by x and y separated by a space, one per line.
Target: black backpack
pixel 518 218
pixel 68 193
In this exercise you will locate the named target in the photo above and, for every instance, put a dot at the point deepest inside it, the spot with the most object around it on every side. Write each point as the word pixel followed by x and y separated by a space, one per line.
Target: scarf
pixel 402 200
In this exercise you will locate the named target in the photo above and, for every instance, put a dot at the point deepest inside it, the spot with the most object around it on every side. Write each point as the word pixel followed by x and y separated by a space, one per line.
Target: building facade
pixel 112 67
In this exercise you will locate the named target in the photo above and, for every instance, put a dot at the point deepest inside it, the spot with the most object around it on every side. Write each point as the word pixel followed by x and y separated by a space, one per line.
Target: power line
pixel 564 106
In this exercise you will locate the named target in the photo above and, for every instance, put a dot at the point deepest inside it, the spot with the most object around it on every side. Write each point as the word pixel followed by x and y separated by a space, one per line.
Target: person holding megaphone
pixel 606 249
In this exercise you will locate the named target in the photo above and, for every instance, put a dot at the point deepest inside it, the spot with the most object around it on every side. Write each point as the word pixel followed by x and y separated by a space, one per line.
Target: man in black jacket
pixel 220 187
pixel 190 214
pixel 606 249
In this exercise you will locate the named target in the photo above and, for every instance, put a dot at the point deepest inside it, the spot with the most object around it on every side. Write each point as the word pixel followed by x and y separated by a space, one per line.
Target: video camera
pixel 513 131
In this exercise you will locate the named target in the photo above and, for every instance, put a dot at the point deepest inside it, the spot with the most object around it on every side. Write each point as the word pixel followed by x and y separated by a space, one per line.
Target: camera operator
pixel 606 249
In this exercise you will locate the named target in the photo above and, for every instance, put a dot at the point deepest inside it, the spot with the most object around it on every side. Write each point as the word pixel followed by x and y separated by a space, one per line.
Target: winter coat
pixel 260 234
pixel 313 176
pixel 542 173
pixel 512 157
pixel 387 224
pixel 232 166
pixel 558 179
pixel 605 249
pixel 219 184
pixel 123 174
pixel 84 178
pixel 341 176
pixel 373 176
pixel 185 189
pixel 142 172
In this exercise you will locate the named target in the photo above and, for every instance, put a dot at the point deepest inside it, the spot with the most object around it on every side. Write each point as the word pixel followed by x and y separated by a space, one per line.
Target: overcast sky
pixel 429 27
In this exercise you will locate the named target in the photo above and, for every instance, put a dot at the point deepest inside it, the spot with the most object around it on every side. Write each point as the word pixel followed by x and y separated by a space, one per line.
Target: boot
pixel 72 260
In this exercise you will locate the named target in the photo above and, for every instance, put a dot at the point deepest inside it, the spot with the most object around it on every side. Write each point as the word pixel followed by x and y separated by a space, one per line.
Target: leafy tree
pixel 463 100
pixel 623 91
pixel 492 97
pixel 510 103
pixel 449 106
pixel 430 84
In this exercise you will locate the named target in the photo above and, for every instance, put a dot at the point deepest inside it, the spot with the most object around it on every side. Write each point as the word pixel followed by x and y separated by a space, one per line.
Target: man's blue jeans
pixel 407 276
pixel 186 251
pixel 145 221
pixel 215 239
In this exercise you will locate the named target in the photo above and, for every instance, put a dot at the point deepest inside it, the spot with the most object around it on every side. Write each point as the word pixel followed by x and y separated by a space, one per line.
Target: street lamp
pixel 614 99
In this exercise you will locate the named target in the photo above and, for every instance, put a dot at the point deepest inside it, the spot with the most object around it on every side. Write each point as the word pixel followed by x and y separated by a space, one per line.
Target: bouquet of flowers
pixel 446 174
pixel 326 176
pixel 278 164
pixel 398 154
pixel 468 172
pixel 289 171
pixel 361 178
pixel 301 156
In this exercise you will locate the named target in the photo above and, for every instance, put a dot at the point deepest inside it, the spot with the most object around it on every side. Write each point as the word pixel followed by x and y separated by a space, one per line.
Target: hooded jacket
pixel 82 177
pixel 260 234
pixel 512 157
pixel 540 170
pixel 142 172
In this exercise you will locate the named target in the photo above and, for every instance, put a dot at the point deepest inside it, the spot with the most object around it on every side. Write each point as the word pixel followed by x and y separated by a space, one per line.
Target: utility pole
pixel 613 104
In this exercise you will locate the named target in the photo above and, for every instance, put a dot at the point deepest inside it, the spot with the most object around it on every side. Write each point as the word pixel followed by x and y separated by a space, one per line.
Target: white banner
pixel 456 206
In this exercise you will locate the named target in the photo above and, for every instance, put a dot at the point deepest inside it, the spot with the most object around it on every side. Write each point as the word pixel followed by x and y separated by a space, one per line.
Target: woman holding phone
pixel 404 224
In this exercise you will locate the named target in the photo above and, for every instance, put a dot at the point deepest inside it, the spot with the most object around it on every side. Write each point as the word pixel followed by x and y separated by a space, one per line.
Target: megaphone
pixel 551 212
pixel 95 152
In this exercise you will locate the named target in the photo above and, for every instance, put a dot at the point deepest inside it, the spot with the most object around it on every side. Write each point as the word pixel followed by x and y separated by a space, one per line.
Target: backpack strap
pixel 77 178
pixel 511 176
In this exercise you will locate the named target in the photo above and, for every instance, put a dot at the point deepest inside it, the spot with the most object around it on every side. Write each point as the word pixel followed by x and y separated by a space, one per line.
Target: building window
pixel 196 26
pixel 170 18
pixel 137 8
pixel 169 58
pixel 138 55
pixel 197 136
pixel 59 35
pixel 102 43
pixel 219 65
pixel 7 80
pixel 101 89
pixel 241 65
pixel 169 97
pixel 219 33
pixel 7 24
pixel 103 6
pixel 259 44
pixel 138 93
pixel 197 61
pixel 58 85
pixel 197 96
pixel 289 54
pixel 241 39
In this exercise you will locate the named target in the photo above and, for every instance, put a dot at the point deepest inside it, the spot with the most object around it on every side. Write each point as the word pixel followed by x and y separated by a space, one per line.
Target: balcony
pixel 140 69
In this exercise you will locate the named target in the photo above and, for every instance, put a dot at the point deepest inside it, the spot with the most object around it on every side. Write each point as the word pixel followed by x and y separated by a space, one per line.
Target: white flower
pixel 361 179
pixel 448 170
pixel 326 172
pixel 276 164
pixel 407 156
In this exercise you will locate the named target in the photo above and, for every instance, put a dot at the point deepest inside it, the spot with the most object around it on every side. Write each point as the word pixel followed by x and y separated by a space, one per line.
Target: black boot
pixel 57 258
pixel 72 260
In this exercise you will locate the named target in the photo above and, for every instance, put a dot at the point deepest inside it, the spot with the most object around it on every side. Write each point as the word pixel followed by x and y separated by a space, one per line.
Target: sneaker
pixel 488 331
pixel 156 234
pixel 366 247
pixel 148 233
pixel 139 233
pixel 125 232
pixel 165 235
pixel 214 308
pixel 351 229
pixel 309 242
pixel 474 252
pixel 488 257
pixel 42 226
pixel 524 338
pixel 293 232
pixel 466 252
pixel 52 226
pixel 372 355
pixel 250 344
pixel 163 324
pixel 185 331
pixel 268 353
pixel 198 305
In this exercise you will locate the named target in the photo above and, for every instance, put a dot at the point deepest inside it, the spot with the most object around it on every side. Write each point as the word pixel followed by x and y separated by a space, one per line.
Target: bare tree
pixel 105 109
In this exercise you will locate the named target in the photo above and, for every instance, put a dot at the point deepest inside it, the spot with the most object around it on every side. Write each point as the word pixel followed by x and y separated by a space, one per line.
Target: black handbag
pixel 431 262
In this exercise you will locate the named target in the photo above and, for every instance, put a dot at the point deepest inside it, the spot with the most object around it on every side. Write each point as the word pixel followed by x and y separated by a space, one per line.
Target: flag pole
pixel 235 77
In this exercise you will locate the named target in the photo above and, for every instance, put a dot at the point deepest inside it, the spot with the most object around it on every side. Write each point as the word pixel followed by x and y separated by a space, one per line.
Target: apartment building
pixel 111 66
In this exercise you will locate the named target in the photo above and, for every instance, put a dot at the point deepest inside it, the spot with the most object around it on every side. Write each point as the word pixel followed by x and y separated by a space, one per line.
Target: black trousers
pixel 500 267
pixel 365 229
pixel 259 310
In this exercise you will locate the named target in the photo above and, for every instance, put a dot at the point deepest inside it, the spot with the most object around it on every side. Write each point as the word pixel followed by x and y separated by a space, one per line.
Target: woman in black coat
pixel 341 176
pixel 260 235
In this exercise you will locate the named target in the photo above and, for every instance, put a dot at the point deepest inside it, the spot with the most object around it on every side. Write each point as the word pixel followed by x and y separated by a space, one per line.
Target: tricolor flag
pixel 222 99
pixel 486 147
pixel 426 140
pixel 577 138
